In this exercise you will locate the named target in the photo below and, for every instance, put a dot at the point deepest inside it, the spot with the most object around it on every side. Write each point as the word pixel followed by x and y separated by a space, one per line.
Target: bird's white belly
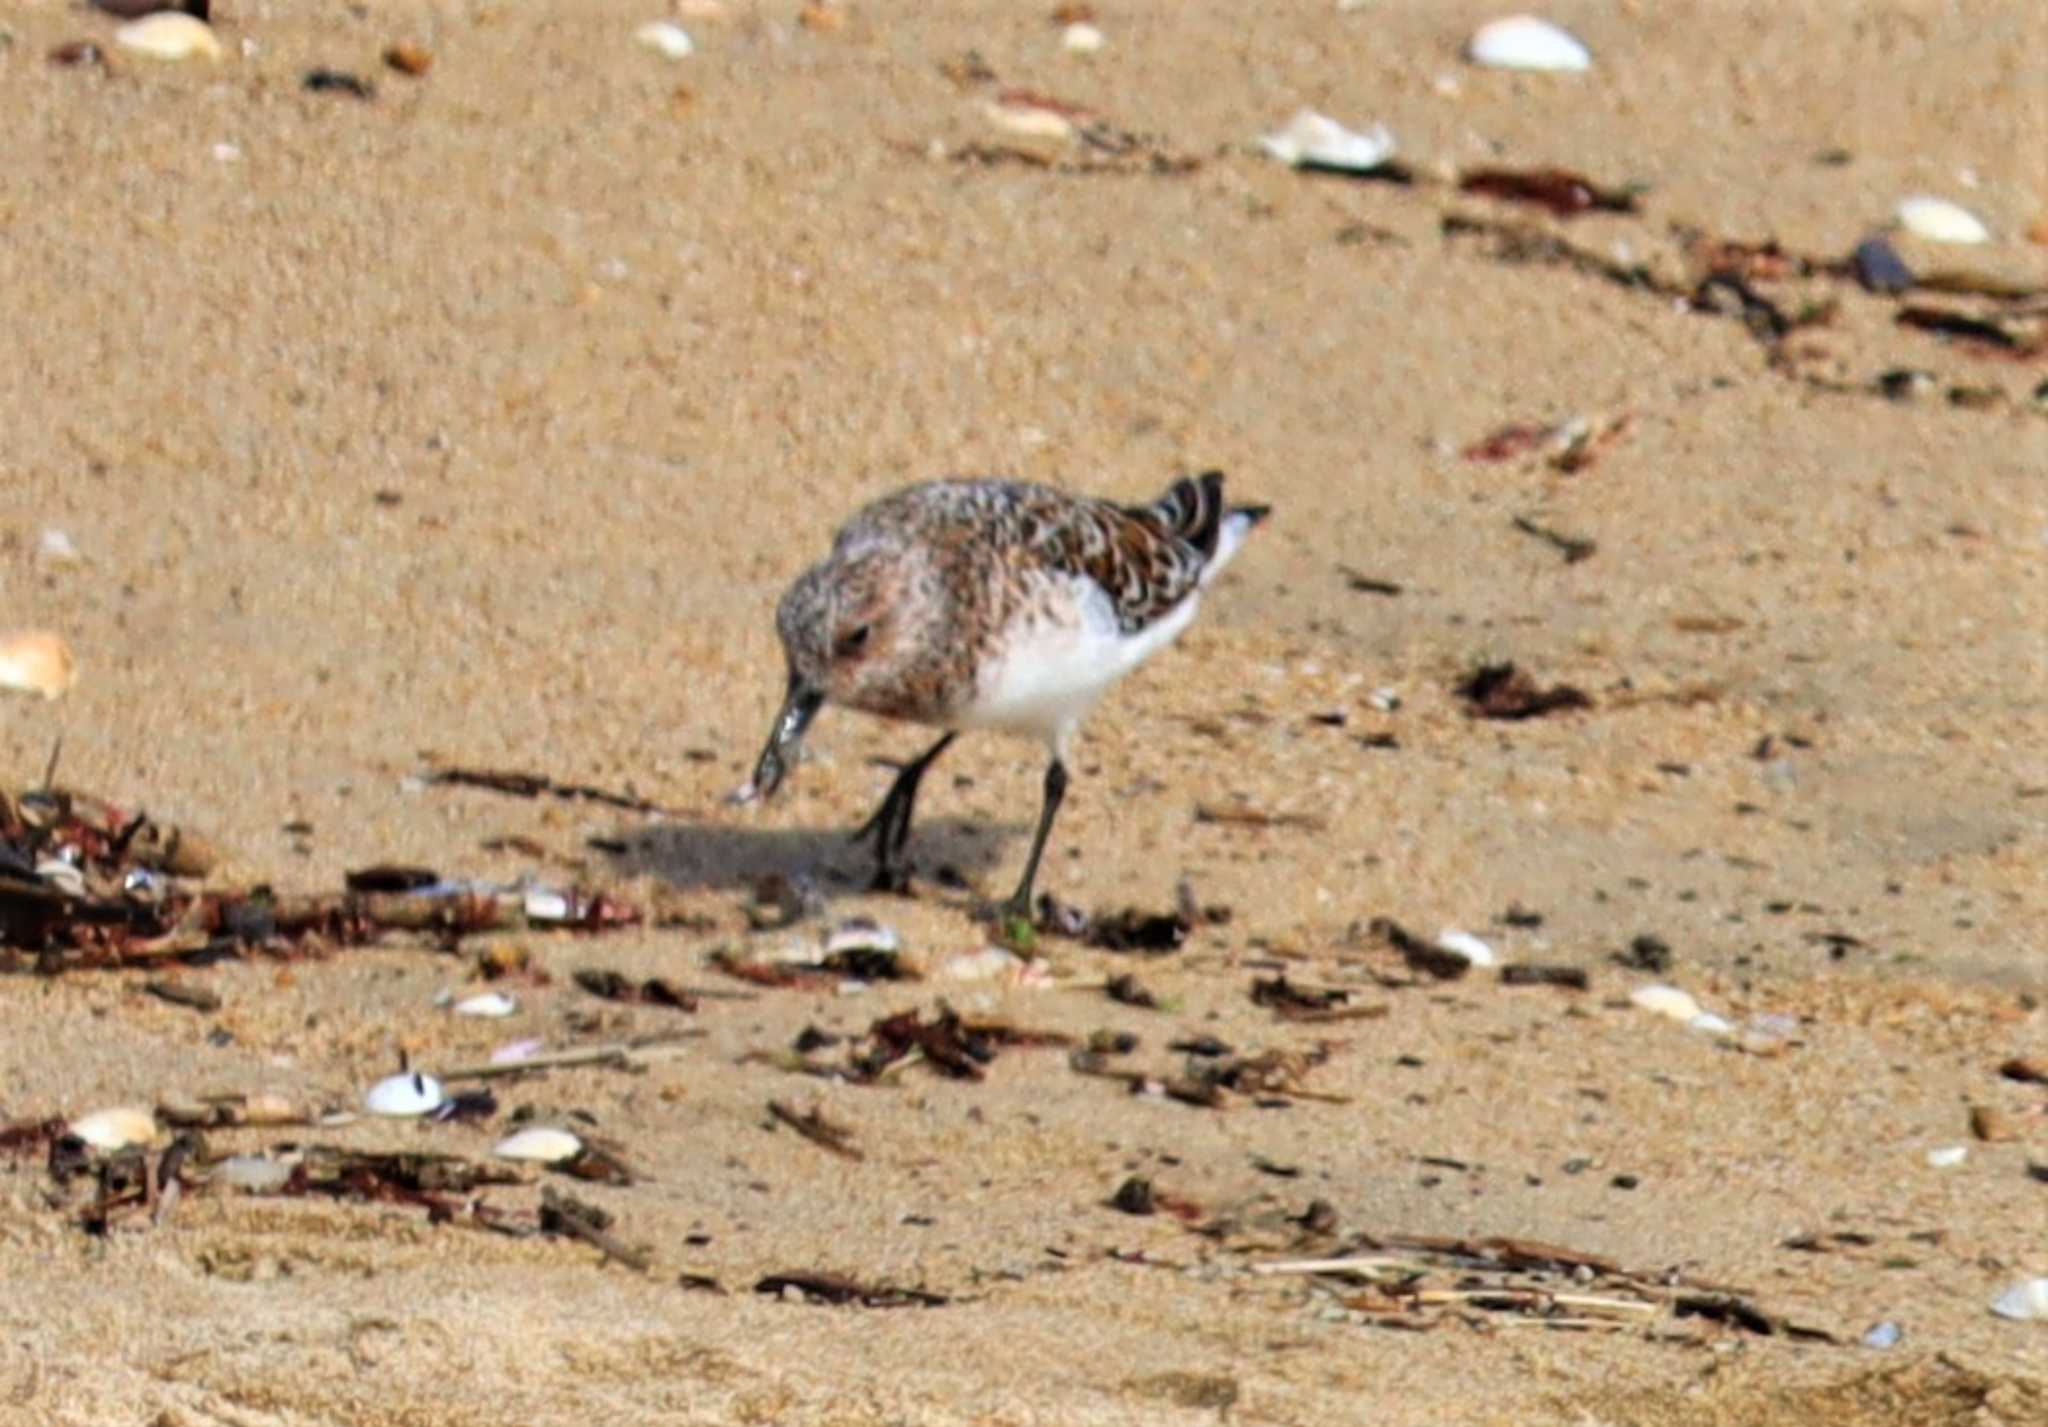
pixel 1051 667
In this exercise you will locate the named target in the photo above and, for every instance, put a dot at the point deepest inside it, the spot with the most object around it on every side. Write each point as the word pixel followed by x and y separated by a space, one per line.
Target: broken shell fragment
pixel 1940 221
pixel 115 1128
pixel 488 1003
pixel 2025 1301
pixel 539 1144
pixel 254 1173
pixel 984 965
pixel 1312 140
pixel 1463 943
pixel 1527 42
pixel 1666 1001
pixel 169 34
pixel 35 661
pixel 405 1095
pixel 1035 116
pixel 1947 1157
pixel 1082 38
pixel 666 38
pixel 861 934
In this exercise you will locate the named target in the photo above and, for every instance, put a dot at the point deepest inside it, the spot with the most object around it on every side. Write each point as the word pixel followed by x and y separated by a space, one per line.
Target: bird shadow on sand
pixel 709 856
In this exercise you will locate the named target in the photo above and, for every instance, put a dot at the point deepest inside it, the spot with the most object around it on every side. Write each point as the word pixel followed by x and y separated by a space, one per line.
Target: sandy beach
pixel 476 418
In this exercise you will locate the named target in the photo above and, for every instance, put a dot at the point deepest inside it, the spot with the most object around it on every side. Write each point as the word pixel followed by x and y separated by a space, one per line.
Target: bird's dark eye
pixel 852 642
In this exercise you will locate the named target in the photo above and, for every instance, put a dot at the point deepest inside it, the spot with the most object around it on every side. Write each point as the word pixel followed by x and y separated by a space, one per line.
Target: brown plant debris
pixel 813 1126
pixel 533 785
pixel 1505 692
pixel 1561 191
pixel 837 1289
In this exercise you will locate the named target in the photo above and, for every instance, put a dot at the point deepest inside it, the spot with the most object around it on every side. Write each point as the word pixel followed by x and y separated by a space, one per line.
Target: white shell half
pixel 1948 1156
pixel 1460 943
pixel 544 904
pixel 115 1128
pixel 1940 221
pixel 488 1003
pixel 2026 1301
pixel 1526 42
pixel 56 872
pixel 539 1144
pixel 1082 38
pixel 404 1096
pixel 258 1174
pixel 666 38
pixel 1312 138
pixel 984 965
pixel 169 34
pixel 1709 1024
pixel 1666 1001
pixel 861 934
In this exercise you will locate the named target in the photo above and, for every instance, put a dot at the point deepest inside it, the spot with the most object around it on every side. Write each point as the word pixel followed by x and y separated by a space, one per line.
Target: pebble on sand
pixel 1527 42
pixel 169 34
pixel 666 38
pixel 1940 221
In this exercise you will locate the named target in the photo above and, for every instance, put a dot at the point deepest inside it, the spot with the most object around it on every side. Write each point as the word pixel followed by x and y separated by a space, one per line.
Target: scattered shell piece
pixel 1883 1335
pixel 55 545
pixel 984 965
pixel 66 878
pixel 666 38
pixel 820 18
pixel 487 1003
pixel 861 934
pixel 405 1095
pixel 34 661
pixel 1082 38
pixel 225 153
pixel 544 904
pixel 258 1174
pixel 1666 1001
pixel 1385 700
pixel 1948 1156
pixel 1940 221
pixel 1709 1024
pixel 115 1128
pixel 1527 42
pixel 1463 943
pixel 169 34
pixel 539 1144
pixel 512 1052
pixel 1318 141
pixel 2024 1302
pixel 1035 116
pixel 408 58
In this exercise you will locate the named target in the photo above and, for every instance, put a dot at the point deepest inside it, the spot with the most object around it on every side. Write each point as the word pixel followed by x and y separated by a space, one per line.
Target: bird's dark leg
pixel 1019 904
pixel 890 825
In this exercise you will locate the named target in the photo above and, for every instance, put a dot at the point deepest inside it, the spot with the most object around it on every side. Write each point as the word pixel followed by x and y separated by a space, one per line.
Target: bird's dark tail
pixel 1193 511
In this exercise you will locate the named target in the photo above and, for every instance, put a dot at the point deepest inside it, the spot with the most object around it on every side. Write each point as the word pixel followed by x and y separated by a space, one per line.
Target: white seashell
pixel 1709 1024
pixel 515 1051
pixel 115 1129
pixel 1948 1156
pixel 1082 38
pixel 545 905
pixel 258 1174
pixel 66 878
pixel 2024 1301
pixel 540 1144
pixel 1312 138
pixel 1033 118
pixel 404 1096
pixel 55 545
pixel 666 38
pixel 488 1003
pixel 1940 221
pixel 983 965
pixel 169 34
pixel 1464 944
pixel 35 661
pixel 1883 1335
pixel 861 934
pixel 1526 42
pixel 1666 1001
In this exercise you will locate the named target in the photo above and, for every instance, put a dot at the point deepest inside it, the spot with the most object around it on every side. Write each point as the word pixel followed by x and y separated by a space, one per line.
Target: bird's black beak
pixel 799 706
